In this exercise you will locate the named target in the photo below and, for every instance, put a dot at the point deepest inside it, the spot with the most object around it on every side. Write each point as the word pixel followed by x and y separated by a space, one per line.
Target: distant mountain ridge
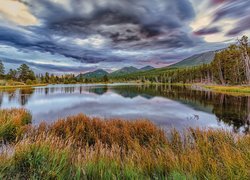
pixel 123 71
pixel 195 60
pixel 146 68
pixel 99 73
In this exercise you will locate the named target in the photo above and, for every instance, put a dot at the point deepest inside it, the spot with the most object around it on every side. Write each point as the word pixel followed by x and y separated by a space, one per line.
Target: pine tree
pixel 2 69
pixel 25 73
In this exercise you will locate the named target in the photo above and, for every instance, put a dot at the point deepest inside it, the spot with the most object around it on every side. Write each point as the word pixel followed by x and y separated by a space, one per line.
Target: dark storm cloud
pixel 125 31
pixel 207 31
pixel 122 25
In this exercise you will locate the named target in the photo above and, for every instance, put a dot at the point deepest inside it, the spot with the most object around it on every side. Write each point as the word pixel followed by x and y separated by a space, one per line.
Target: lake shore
pixel 21 86
pixel 82 147
pixel 232 90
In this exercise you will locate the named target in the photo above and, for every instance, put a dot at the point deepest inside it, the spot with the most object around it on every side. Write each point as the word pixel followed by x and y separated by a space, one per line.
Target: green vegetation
pixel 23 77
pixel 100 73
pixel 124 71
pixel 229 89
pixel 80 147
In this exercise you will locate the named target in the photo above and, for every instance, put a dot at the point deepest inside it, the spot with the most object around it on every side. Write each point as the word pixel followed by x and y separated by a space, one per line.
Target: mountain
pixel 146 68
pixel 95 74
pixel 195 60
pixel 124 71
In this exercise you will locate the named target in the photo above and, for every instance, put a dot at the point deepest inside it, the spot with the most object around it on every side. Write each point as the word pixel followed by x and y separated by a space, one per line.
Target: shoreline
pixel 22 86
pixel 226 89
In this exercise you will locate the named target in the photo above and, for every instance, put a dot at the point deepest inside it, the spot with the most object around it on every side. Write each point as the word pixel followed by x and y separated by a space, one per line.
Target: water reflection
pixel 168 106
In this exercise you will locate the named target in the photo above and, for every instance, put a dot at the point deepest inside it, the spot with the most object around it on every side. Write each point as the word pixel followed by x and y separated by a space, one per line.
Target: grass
pixel 234 90
pixel 12 123
pixel 80 147
pixel 21 86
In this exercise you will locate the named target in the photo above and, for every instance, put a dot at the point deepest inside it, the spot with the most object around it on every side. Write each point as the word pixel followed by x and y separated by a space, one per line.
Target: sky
pixel 77 36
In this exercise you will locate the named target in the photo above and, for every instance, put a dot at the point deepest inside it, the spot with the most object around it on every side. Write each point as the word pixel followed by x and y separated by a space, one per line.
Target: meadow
pixel 82 147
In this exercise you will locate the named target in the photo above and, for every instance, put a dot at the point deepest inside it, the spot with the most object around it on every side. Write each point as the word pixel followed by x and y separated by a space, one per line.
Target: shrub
pixel 29 82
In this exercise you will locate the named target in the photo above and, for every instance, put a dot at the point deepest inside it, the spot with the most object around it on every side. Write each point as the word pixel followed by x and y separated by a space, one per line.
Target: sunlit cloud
pixel 17 12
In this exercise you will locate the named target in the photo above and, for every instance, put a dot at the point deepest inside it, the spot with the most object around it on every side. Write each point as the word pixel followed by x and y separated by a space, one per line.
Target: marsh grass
pixel 80 147
pixel 12 123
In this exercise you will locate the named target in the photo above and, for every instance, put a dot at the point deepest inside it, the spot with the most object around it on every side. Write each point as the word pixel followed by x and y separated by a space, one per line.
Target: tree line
pixel 26 75
pixel 231 66
pixel 23 74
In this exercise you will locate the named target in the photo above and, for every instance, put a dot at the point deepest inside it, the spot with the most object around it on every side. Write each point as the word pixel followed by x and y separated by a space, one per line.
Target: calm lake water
pixel 167 106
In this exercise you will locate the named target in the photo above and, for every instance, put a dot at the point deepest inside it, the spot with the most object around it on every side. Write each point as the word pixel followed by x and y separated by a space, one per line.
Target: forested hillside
pixel 230 66
pixel 195 60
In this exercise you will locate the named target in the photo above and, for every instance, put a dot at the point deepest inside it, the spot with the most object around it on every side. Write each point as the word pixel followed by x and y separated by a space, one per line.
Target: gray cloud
pixel 46 67
pixel 206 31
pixel 242 25
pixel 124 24
pixel 111 31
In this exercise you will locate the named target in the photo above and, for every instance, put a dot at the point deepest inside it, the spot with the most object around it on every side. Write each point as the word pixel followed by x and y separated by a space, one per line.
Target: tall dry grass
pixel 12 123
pixel 80 147
pixel 84 130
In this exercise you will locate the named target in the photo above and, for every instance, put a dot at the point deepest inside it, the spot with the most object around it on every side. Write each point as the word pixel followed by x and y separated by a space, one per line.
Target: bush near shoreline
pixel 80 147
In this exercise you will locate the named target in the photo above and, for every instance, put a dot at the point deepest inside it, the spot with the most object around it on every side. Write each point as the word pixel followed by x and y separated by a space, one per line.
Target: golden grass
pixel 80 147
pixel 12 123
pixel 21 86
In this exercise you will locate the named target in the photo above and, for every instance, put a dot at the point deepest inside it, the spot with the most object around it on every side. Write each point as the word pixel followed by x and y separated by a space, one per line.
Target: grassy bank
pixel 241 90
pixel 21 86
pixel 80 147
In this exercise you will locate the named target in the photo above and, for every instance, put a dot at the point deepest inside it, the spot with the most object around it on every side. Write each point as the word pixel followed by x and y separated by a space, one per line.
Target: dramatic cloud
pixel 113 33
pixel 206 31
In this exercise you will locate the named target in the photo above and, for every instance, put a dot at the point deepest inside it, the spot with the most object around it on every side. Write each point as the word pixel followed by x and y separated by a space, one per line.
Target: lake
pixel 167 106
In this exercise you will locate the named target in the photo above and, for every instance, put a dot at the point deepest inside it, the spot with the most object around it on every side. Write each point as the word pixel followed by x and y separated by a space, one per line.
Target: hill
pixel 195 60
pixel 146 68
pixel 124 71
pixel 95 74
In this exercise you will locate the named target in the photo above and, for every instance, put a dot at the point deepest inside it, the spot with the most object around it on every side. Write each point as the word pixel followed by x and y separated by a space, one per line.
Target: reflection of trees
pixel 11 94
pixel 69 90
pixel 1 97
pixel 24 95
pixel 232 110
pixel 98 90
